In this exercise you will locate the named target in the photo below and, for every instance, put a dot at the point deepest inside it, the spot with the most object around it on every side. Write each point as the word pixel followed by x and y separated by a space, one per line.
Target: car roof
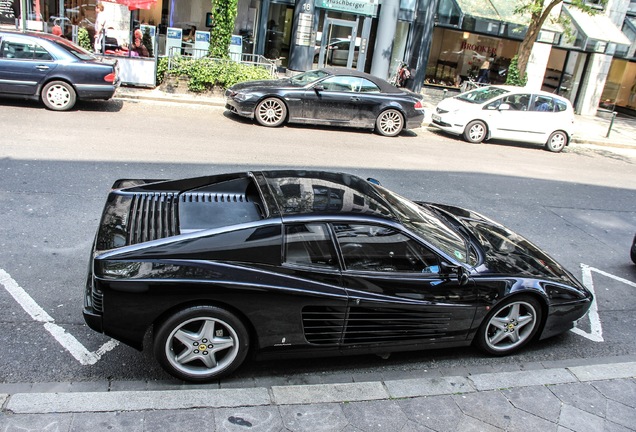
pixel 384 85
pixel 516 89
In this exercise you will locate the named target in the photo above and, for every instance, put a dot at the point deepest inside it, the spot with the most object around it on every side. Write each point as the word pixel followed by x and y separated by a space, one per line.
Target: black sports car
pixel 330 96
pixel 54 70
pixel 303 263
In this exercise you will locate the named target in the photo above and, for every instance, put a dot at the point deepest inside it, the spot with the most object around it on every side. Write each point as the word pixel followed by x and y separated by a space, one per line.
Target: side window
pixel 309 245
pixel 560 105
pixel 543 103
pixel 382 249
pixel 367 86
pixel 341 84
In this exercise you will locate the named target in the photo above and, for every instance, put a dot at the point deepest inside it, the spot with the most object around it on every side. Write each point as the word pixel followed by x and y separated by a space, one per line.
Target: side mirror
pixel 504 107
pixel 459 272
pixel 319 88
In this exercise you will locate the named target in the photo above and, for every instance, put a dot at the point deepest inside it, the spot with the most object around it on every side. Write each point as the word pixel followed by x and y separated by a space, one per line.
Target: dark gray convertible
pixel 330 96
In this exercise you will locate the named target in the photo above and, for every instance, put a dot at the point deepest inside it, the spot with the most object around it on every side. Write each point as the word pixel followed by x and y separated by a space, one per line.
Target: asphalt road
pixel 56 168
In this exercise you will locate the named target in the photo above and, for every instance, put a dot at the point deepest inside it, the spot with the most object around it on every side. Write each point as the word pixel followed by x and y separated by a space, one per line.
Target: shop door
pixel 338 44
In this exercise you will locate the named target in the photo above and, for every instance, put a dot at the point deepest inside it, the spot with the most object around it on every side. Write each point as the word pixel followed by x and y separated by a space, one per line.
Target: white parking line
pixel 67 340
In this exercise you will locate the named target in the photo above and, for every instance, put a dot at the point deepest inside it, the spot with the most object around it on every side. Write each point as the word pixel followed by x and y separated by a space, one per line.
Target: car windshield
pixel 75 50
pixel 482 94
pixel 428 226
pixel 308 77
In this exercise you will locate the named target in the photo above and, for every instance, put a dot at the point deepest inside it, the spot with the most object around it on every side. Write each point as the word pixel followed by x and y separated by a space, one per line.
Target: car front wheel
pixel 510 325
pixel 389 123
pixel 557 141
pixel 475 131
pixel 201 343
pixel 58 96
pixel 271 112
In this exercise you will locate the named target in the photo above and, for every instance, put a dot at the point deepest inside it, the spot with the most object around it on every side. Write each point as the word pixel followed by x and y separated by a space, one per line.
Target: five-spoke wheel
pixel 58 96
pixel 557 141
pixel 510 325
pixel 271 112
pixel 389 123
pixel 475 131
pixel 201 343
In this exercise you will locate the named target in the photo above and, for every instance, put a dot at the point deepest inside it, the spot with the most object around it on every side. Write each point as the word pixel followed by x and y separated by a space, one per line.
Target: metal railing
pixel 246 59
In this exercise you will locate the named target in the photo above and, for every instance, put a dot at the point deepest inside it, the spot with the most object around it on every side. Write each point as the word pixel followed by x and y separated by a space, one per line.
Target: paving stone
pixel 51 387
pixel 13 388
pixel 439 413
pixel 253 419
pixel 623 390
pixel 524 421
pixel 108 422
pixel 579 421
pixel 537 400
pixel 313 418
pixel 490 407
pixel 35 422
pixel 608 426
pixel 411 426
pixel 582 396
pixel 621 414
pixel 604 371
pixel 375 416
pixel 322 393
pixel 428 386
pixel 128 385
pixel 89 386
pixel 185 420
pixel 470 424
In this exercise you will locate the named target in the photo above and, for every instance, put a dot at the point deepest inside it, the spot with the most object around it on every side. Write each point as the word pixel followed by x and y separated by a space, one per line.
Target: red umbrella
pixel 135 4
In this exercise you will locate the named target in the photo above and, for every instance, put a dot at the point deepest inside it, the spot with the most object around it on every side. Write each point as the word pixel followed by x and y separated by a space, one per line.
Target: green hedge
pixel 206 73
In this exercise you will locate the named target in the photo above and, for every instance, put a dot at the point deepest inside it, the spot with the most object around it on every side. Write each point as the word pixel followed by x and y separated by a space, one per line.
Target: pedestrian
pixel 137 48
pixel 484 70
pixel 100 28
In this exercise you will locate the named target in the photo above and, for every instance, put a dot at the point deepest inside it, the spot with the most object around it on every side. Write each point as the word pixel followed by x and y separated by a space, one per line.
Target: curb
pixel 46 403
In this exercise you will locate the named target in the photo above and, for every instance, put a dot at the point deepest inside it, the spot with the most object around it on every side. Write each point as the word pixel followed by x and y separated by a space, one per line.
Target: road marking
pixel 67 340
pixel 596 329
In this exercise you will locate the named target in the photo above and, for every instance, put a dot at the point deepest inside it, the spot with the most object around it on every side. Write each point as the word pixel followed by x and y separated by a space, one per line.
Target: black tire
pixel 475 132
pixel 557 141
pixel 271 112
pixel 58 96
pixel 201 343
pixel 509 326
pixel 633 251
pixel 389 123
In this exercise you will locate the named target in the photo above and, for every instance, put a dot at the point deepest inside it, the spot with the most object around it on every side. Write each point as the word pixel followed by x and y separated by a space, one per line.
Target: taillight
pixel 418 105
pixel 111 77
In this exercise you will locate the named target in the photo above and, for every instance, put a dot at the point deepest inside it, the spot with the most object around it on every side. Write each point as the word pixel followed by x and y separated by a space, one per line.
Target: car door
pixel 397 296
pixel 508 117
pixel 334 100
pixel 24 65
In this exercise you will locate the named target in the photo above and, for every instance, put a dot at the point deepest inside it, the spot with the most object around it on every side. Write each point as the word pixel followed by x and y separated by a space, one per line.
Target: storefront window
pixel 457 56
pixel 620 86
pixel 279 27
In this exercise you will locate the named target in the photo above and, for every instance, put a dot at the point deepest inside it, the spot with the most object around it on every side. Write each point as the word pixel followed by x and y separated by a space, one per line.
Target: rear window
pixel 74 50
pixel 560 105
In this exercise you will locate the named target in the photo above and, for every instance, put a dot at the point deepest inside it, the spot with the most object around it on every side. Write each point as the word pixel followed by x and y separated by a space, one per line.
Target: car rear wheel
pixel 389 123
pixel 201 343
pixel 510 325
pixel 58 96
pixel 271 112
pixel 475 131
pixel 557 141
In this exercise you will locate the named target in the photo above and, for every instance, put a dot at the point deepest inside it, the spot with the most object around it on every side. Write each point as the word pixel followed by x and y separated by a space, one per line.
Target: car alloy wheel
pixel 475 131
pixel 58 96
pixel 271 112
pixel 201 343
pixel 510 325
pixel 557 141
pixel 389 123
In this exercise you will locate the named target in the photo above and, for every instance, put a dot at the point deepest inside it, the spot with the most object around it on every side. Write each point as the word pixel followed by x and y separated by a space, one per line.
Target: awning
pixel 135 4
pixel 595 32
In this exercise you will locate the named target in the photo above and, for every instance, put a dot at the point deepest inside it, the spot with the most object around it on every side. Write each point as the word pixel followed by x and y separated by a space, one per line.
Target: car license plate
pixel 436 117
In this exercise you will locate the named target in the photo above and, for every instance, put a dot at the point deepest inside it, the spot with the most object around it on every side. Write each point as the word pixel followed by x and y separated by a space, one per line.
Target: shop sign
pixel 481 49
pixel 358 7
pixel 305 27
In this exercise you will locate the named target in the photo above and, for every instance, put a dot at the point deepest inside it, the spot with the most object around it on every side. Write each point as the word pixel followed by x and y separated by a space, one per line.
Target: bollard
pixel 611 124
pixel 445 91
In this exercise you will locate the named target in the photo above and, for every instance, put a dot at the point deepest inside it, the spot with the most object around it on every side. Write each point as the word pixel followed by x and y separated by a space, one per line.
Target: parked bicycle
pixel 401 74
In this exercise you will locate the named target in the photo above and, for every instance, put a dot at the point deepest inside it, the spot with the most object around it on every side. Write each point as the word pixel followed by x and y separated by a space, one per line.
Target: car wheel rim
pixel 476 132
pixel 58 96
pixel 202 346
pixel 391 122
pixel 557 142
pixel 511 326
pixel 271 112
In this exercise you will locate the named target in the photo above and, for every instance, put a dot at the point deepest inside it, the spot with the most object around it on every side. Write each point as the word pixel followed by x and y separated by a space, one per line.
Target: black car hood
pixel 263 84
pixel 508 253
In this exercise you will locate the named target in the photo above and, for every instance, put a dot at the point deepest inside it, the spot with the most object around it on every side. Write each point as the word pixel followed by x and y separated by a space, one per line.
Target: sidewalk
pixel 585 396
pixel 590 130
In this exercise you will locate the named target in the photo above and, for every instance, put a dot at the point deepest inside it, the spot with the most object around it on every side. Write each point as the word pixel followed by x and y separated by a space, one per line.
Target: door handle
pixel 355 99
pixel 42 67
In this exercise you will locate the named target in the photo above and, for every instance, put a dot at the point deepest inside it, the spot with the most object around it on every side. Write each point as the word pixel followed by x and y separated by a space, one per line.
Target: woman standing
pixel 100 28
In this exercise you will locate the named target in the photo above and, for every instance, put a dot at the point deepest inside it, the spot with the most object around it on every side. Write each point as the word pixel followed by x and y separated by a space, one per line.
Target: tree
pixel 223 17
pixel 539 12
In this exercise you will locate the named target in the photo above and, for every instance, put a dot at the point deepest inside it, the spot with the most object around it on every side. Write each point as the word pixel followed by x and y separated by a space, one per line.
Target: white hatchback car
pixel 508 113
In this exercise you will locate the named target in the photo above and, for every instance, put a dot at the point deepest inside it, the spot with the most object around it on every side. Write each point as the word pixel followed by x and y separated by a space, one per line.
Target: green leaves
pixel 84 39
pixel 223 17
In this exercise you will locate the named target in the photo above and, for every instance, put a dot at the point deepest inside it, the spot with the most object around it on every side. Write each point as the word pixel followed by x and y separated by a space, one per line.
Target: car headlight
pixel 241 97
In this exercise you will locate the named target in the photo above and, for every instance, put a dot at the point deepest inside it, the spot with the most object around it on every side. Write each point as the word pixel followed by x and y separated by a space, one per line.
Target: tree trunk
pixel 537 19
